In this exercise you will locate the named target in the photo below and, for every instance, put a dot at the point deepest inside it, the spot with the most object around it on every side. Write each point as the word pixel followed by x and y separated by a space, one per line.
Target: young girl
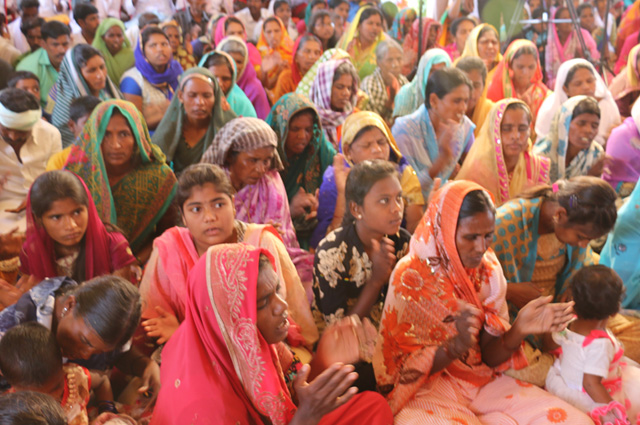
pixel 206 204
pixel 65 236
pixel 591 372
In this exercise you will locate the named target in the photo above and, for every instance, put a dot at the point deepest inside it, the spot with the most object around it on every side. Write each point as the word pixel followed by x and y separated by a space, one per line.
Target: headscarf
pixel 253 54
pixel 628 80
pixel 234 375
pixel 412 40
pixel 556 144
pixel 138 201
pixel 169 132
pixel 485 162
pixel 72 85
pixel 242 135
pixel 248 81
pixel 359 120
pixel 397 28
pixel 304 170
pixel 609 114
pixel 185 58
pixel 166 79
pixel 296 75
pixel 321 97
pixel 124 59
pixel 285 48
pixel 37 257
pixel 304 87
pixel 471 46
pixel 411 96
pixel 623 147
pixel 423 293
pixel 239 102
pixel 363 60
pixel 22 121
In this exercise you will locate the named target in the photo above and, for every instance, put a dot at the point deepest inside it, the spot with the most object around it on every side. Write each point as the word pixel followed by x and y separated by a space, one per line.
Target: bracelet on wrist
pixel 107 406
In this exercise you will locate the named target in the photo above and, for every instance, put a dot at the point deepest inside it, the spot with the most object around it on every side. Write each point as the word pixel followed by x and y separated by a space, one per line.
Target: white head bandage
pixel 21 121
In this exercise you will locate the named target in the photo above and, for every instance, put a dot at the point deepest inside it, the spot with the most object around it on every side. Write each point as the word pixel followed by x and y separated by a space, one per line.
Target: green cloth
pixel 168 134
pixel 304 170
pixel 38 63
pixel 137 202
pixel 123 60
pixel 71 85
pixel 239 102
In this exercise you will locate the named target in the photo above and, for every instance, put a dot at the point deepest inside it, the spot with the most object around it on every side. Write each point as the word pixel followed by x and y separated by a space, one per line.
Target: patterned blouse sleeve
pixel 330 285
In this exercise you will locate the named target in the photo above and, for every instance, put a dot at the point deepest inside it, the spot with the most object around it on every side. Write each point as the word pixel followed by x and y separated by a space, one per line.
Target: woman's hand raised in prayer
pixel 347 341
pixel 328 391
pixel 542 316
pixel 468 325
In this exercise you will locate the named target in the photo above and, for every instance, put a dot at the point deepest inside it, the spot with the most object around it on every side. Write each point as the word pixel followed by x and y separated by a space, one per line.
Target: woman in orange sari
pixel 445 332
pixel 500 159
pixel 276 49
pixel 519 75
pixel 238 370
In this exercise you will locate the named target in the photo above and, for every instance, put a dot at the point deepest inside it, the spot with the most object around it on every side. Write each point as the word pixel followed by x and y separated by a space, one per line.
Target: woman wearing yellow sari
pixel 501 160
pixel 484 42
pixel 362 38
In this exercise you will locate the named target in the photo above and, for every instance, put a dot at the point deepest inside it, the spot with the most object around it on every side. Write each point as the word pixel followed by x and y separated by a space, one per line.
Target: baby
pixel 591 372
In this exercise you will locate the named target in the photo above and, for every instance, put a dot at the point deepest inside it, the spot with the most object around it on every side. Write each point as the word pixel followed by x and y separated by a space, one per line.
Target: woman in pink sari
pixel 246 149
pixel 431 30
pixel 205 200
pixel 563 44
pixel 239 371
pixel 230 25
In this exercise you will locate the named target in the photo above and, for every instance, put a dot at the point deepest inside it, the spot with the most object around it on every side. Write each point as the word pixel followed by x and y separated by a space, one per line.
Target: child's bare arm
pixel 101 386
pixel 592 384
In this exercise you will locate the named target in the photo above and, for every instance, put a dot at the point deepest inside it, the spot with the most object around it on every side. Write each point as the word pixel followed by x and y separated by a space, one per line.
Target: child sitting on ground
pixel 591 372
pixel 31 360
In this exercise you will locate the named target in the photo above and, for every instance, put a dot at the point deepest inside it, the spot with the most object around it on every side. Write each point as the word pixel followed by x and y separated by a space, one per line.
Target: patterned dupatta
pixel 233 375
pixel 138 201
pixel 397 28
pixel 501 86
pixel 304 86
pixel 363 59
pixel 321 97
pixel 556 145
pixel 304 170
pixel 425 286
pixel 485 163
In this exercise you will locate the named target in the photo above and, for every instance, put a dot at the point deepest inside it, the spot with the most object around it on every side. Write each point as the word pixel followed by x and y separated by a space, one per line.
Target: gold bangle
pixel 10 265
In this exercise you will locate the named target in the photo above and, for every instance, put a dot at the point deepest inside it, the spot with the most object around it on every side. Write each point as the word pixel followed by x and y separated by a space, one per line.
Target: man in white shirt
pixel 28 9
pixel 26 143
pixel 252 17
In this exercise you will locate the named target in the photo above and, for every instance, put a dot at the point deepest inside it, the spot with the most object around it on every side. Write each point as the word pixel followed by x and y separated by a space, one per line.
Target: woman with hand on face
pixel 276 49
pixel 126 174
pixel 195 115
pixel 114 45
pixel 233 290
pixel 437 136
pixel 500 159
pixel 83 73
pixel 206 203
pixel 151 84
pixel 578 77
pixel 445 334
pixel 305 154
pixel 223 68
pixel 334 92
pixel 247 149
pixel 570 145
pixel 519 75
pixel 362 38
pixel 306 51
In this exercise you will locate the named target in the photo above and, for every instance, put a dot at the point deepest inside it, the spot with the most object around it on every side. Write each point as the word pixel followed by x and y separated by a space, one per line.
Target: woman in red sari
pixel 445 333
pixel 519 75
pixel 239 372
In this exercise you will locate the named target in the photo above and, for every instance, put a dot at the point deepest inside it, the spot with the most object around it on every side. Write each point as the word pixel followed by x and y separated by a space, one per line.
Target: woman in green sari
pixel 127 176
pixel 305 154
pixel 114 45
pixel 193 118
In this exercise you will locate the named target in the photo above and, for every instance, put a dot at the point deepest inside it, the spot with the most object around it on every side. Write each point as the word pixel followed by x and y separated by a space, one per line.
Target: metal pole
pixel 420 5
pixel 605 44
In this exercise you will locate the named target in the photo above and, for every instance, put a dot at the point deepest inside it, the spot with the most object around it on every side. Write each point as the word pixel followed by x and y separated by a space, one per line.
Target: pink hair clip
pixel 554 187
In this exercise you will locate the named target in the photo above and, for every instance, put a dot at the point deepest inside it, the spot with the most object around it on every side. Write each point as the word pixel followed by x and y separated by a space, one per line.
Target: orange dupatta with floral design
pixel 422 300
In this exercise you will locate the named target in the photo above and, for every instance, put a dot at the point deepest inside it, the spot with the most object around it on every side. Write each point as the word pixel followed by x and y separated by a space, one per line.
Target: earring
pixel 359 216
pixel 555 219
pixel 64 311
